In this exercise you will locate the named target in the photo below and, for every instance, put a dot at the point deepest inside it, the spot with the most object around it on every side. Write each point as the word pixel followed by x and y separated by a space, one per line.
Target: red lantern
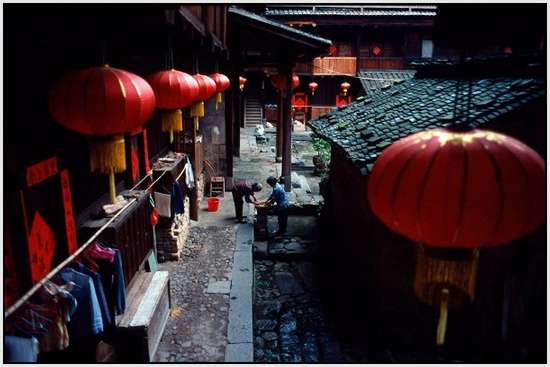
pixel 459 190
pixel 376 51
pixel 456 191
pixel 207 88
pixel 242 82
pixel 344 88
pixel 222 83
pixel 332 49
pixel 313 87
pixel 106 102
pixel 279 81
pixel 173 90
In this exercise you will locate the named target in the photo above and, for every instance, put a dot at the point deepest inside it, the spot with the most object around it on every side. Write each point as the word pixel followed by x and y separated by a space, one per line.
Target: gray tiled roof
pixel 233 10
pixel 355 11
pixel 374 80
pixel 368 125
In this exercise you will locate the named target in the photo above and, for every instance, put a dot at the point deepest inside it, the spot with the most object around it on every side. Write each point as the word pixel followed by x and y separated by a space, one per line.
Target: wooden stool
pixel 217 186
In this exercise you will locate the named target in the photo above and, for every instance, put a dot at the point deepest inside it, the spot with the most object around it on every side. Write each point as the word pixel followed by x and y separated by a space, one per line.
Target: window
pixel 427 48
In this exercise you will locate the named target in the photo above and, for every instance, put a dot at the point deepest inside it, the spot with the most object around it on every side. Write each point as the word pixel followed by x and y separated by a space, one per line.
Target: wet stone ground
pixel 289 322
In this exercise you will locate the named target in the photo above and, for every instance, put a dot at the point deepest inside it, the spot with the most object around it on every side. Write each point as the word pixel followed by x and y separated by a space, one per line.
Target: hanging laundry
pixel 115 285
pixel 101 297
pixel 20 350
pixel 189 177
pixel 86 320
pixel 177 198
pixel 163 204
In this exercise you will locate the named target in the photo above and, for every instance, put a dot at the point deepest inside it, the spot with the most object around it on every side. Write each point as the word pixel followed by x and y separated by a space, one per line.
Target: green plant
pixel 323 149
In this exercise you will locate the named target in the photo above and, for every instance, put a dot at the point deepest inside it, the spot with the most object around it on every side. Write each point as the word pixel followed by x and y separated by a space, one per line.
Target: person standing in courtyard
pixel 244 189
pixel 280 198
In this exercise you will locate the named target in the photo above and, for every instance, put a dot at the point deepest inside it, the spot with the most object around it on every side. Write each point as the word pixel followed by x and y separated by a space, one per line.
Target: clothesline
pixel 81 249
pixel 63 264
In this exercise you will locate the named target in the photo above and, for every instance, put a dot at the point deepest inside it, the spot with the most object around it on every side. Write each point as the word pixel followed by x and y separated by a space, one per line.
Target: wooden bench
pixel 141 326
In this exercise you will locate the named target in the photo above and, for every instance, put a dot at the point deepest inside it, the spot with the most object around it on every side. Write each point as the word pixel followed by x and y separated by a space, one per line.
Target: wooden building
pixel 53 201
pixel 502 323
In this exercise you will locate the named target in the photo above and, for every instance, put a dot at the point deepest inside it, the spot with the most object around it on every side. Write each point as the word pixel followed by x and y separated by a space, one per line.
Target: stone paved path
pixel 197 327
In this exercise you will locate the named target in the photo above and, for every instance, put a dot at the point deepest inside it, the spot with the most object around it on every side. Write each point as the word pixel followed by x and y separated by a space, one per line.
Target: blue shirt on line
pixel 280 196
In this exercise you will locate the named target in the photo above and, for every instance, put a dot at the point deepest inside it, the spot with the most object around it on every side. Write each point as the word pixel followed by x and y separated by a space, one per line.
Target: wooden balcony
pixel 329 66
pixel 381 63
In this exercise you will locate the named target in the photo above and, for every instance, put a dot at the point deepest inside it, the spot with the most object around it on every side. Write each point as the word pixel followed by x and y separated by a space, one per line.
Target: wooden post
pixel 287 131
pixel 229 125
pixel 279 135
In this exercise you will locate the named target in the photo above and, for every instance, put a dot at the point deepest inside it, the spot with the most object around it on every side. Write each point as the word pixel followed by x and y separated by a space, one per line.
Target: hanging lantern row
pixel 104 103
pixel 313 87
pixel 207 88
pixel 454 193
pixel 279 81
pixel 222 83
pixel 242 82
pixel 344 87
pixel 173 90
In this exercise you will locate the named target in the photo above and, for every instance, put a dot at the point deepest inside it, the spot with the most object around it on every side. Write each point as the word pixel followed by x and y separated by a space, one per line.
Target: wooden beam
pixel 229 96
pixel 279 135
pixel 287 131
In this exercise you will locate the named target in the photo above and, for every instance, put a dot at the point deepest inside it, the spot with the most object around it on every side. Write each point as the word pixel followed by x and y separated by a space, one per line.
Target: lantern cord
pixel 63 264
pixel 469 117
pixel 455 107
pixel 103 50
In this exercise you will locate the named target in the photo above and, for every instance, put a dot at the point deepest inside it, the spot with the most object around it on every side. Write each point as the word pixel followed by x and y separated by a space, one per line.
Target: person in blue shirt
pixel 280 198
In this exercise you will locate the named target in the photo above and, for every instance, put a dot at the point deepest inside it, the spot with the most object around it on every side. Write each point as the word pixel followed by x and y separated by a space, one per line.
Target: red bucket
pixel 213 204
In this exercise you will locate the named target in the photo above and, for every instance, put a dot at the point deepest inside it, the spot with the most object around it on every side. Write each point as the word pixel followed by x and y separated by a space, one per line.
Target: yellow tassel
pixel 171 136
pixel 172 121
pixel 458 275
pixel 108 155
pixel 218 100
pixel 196 119
pixel 112 187
pixel 197 109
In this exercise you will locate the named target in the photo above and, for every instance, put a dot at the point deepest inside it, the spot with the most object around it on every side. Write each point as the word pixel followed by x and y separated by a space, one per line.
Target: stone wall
pixel 212 127
pixel 172 235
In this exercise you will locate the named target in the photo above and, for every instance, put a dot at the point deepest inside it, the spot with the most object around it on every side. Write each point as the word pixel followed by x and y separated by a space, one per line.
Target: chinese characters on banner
pixel 48 215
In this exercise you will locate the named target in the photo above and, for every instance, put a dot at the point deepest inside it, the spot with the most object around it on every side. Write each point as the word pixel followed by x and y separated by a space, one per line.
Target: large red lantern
pixel 104 102
pixel 313 87
pixel 207 88
pixel 173 90
pixel 242 82
pixel 344 87
pixel 279 81
pixel 222 83
pixel 453 193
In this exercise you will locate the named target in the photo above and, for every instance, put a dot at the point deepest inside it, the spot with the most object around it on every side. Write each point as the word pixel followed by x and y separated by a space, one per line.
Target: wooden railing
pixel 334 65
pixel 328 66
pixel 381 63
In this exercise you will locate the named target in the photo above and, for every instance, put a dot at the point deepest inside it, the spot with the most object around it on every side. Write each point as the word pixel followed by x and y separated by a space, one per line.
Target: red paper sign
pixel 41 171
pixel 41 247
pixel 299 101
pixel 342 101
pixel 68 208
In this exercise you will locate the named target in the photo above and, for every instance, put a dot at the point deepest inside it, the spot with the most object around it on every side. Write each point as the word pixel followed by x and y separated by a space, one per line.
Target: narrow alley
pixel 275 183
